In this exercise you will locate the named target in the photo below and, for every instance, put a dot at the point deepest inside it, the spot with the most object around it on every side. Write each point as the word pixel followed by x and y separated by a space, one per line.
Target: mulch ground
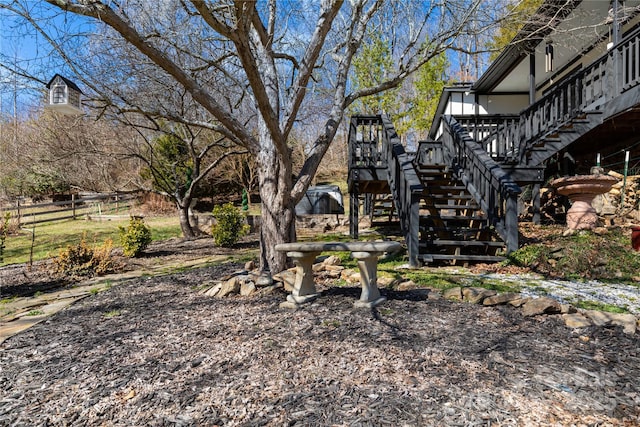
pixel 153 351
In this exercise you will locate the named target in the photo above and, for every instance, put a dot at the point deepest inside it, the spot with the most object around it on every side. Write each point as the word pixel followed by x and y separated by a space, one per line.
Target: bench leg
pixel 368 264
pixel 304 288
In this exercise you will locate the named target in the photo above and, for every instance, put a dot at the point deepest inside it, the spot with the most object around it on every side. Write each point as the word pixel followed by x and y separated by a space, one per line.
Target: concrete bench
pixel 366 253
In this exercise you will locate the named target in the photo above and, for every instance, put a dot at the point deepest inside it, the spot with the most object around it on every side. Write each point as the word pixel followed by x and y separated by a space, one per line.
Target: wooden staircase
pixel 444 214
pixel 453 228
pixel 555 141
pixel 383 212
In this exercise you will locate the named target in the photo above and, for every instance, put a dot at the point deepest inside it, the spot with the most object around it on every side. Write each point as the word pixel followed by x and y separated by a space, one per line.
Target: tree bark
pixel 278 209
pixel 189 232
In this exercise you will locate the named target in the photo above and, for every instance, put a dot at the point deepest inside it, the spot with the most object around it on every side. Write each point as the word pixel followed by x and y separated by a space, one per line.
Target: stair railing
pixel 588 89
pixel 496 193
pixel 406 189
pixel 374 143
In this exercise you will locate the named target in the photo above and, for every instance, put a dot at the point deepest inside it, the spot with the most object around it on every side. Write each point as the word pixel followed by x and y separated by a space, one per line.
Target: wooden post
pixel 535 202
pixel 18 211
pixel 624 179
pixel 73 206
pixel 413 234
pixel 511 223
pixel 354 206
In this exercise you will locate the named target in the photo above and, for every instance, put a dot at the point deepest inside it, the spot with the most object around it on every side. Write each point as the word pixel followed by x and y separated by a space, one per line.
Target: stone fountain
pixel 581 190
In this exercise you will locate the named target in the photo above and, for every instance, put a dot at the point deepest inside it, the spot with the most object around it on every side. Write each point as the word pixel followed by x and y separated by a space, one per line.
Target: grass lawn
pixel 51 237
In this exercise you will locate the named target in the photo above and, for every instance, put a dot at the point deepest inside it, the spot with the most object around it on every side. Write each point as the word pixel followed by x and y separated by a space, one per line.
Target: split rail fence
pixel 95 206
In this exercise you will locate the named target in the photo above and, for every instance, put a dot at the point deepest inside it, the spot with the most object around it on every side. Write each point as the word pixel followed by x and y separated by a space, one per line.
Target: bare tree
pixel 253 67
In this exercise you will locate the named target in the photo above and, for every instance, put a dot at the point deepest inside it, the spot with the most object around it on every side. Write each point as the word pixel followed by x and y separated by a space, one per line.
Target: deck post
pixel 535 203
pixel 354 207
pixel 413 233
pixel 511 222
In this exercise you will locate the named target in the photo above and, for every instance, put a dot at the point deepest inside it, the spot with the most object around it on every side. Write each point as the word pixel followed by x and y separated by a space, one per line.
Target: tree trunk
pixel 188 231
pixel 278 213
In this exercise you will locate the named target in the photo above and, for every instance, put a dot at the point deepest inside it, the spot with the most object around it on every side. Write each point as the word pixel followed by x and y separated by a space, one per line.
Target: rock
pixel 575 320
pixel 333 271
pixel 567 309
pixel 211 292
pixel 501 298
pixel 229 287
pixel 207 286
pixel 250 265
pixel 332 260
pixel 453 293
pixel 476 295
pixel 435 294
pixel 247 288
pixel 600 231
pixel 318 267
pixel 346 273
pixel 287 278
pixel 543 305
pixel 519 302
pixel 265 279
pixel 601 318
pixel 354 278
pixel 386 282
pixel 406 286
pixel 271 289
pixel 333 274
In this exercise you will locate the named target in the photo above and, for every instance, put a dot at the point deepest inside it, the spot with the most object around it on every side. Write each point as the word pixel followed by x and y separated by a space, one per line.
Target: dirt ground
pixel 154 351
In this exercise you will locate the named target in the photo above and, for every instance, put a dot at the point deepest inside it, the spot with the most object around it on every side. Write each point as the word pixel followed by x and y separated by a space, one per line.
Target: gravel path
pixel 153 351
pixel 568 292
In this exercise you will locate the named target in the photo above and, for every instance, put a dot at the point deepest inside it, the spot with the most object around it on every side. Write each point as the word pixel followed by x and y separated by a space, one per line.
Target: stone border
pixel 244 283
pixel 573 317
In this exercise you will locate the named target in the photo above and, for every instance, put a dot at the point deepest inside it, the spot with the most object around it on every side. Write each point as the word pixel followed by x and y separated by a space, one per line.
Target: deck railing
pixel 496 193
pixel 509 139
pixel 366 143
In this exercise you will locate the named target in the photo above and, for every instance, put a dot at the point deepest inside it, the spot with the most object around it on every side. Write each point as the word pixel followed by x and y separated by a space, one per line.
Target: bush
pixel 84 260
pixel 229 226
pixel 135 238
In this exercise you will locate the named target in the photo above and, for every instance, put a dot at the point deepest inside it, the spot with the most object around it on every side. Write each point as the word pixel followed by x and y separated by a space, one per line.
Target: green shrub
pixel 84 260
pixel 229 226
pixel 135 238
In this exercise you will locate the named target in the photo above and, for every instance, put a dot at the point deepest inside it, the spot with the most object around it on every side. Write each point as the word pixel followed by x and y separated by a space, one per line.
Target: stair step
pixel 461 218
pixel 465 243
pixel 431 168
pixel 453 188
pixel 476 258
pixel 456 207
pixel 448 196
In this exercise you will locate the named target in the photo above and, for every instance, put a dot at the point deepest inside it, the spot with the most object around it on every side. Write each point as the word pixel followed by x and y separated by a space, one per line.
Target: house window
pixel 58 95
pixel 548 57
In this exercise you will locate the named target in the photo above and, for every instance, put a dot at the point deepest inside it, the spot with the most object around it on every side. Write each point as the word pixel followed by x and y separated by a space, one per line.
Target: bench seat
pixel 366 254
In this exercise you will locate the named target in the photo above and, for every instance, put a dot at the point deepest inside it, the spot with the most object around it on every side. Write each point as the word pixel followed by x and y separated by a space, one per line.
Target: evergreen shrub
pixel 229 226
pixel 135 237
